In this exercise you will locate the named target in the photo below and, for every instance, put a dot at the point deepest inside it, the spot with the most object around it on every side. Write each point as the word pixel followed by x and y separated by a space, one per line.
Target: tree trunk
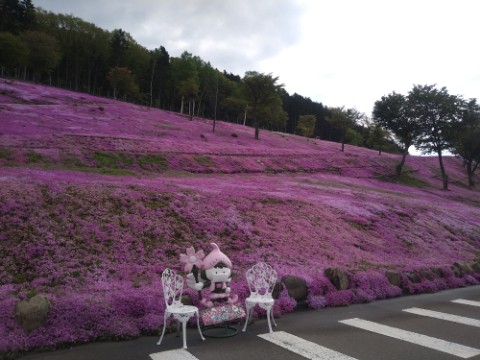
pixel 245 115
pixel 442 169
pixel 193 109
pixel 470 172
pixel 398 168
pixel 255 123
pixel 181 107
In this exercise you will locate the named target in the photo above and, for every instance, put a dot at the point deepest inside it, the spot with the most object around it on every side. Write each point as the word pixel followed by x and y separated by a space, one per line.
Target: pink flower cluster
pixel 97 197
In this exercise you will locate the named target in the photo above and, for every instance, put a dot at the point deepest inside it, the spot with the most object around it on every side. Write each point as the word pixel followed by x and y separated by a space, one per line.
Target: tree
pixel 160 61
pixel 119 43
pixel 122 82
pixel 393 113
pixel 272 115
pixel 465 138
pixel 188 89
pixel 306 125
pixel 184 79
pixel 353 137
pixel 343 120
pixel 44 54
pixel 437 112
pixel 17 15
pixel 377 138
pixel 260 91
pixel 13 51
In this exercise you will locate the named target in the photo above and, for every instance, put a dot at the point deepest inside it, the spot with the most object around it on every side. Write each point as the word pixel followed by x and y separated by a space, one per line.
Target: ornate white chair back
pixel 172 288
pixel 261 280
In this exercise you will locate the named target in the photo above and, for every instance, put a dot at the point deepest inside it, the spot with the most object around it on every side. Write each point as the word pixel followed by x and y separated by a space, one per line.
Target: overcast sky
pixel 338 52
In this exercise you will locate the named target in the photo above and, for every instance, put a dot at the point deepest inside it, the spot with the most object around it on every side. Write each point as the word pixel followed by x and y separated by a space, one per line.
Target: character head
pixel 216 257
pixel 219 273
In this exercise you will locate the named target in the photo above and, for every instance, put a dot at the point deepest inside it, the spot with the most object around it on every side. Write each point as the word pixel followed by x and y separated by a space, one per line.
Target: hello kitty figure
pixel 215 276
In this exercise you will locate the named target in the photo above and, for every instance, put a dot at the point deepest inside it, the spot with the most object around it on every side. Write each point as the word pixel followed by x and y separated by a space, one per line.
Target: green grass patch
pixel 71 160
pixel 6 154
pixel 408 179
pixel 96 170
pixel 155 160
pixel 33 157
pixel 405 178
pixel 204 160
pixel 111 160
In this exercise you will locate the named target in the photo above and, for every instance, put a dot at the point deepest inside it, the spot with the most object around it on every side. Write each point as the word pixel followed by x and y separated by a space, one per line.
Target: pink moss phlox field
pixel 98 197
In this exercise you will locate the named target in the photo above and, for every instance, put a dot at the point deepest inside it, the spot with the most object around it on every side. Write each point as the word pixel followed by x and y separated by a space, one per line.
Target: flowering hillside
pixel 97 197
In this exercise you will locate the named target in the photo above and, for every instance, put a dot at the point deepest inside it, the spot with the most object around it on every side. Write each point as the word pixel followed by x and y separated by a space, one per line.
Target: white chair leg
pixel 198 325
pixel 164 326
pixel 273 319
pixel 269 310
pixel 178 328
pixel 184 330
pixel 246 317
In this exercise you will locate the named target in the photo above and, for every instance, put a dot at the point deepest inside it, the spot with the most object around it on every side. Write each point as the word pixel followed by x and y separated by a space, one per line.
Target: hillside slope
pixel 98 196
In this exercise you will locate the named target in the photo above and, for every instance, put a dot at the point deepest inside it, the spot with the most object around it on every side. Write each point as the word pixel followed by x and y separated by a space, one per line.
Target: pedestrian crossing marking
pixel 462 351
pixel 444 316
pixel 303 347
pixel 178 354
pixel 466 302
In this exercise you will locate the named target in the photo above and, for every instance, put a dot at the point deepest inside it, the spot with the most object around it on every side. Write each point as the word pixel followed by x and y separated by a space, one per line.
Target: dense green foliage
pixel 435 122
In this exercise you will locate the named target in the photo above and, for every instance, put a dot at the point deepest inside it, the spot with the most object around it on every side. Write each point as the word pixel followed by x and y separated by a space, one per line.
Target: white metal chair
pixel 172 292
pixel 261 280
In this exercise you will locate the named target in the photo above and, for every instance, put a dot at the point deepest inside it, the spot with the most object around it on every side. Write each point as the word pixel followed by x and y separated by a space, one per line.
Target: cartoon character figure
pixel 215 276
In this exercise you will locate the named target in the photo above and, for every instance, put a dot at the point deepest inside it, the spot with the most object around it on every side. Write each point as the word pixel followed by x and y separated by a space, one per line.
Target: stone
pixel 186 299
pixel 437 271
pixel 394 277
pixel 32 313
pixel 476 266
pixel 276 290
pixel 296 287
pixel 464 268
pixel 427 274
pixel 456 270
pixel 338 278
pixel 414 278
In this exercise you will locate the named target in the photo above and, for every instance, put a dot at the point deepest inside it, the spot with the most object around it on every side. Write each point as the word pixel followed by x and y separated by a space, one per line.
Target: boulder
pixel 276 290
pixel 32 313
pixel 427 274
pixel 414 278
pixel 186 299
pixel 338 278
pixel 464 268
pixel 437 271
pixel 456 270
pixel 476 266
pixel 394 277
pixel 296 287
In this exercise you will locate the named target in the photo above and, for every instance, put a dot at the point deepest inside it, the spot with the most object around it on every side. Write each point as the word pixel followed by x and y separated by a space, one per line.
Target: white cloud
pixel 342 52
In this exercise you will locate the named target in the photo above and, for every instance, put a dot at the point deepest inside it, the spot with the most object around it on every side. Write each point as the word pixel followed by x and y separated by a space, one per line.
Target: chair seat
pixel 182 309
pixel 259 299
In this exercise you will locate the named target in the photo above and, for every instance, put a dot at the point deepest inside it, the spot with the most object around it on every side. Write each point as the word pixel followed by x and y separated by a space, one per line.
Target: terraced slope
pixel 98 196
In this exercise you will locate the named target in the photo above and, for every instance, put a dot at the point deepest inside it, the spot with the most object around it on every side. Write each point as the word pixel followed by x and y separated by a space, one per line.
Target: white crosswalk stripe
pixel 466 302
pixel 462 351
pixel 178 354
pixel 303 347
pixel 311 350
pixel 444 316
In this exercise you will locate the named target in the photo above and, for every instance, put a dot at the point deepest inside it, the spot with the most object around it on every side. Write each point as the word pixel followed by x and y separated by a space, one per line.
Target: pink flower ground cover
pixel 97 197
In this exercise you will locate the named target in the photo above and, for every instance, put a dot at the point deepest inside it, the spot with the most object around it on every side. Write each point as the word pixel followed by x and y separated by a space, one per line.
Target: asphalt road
pixel 319 333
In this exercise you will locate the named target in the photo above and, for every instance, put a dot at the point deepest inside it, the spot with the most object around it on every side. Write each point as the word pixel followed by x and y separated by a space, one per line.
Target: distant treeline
pixel 65 51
